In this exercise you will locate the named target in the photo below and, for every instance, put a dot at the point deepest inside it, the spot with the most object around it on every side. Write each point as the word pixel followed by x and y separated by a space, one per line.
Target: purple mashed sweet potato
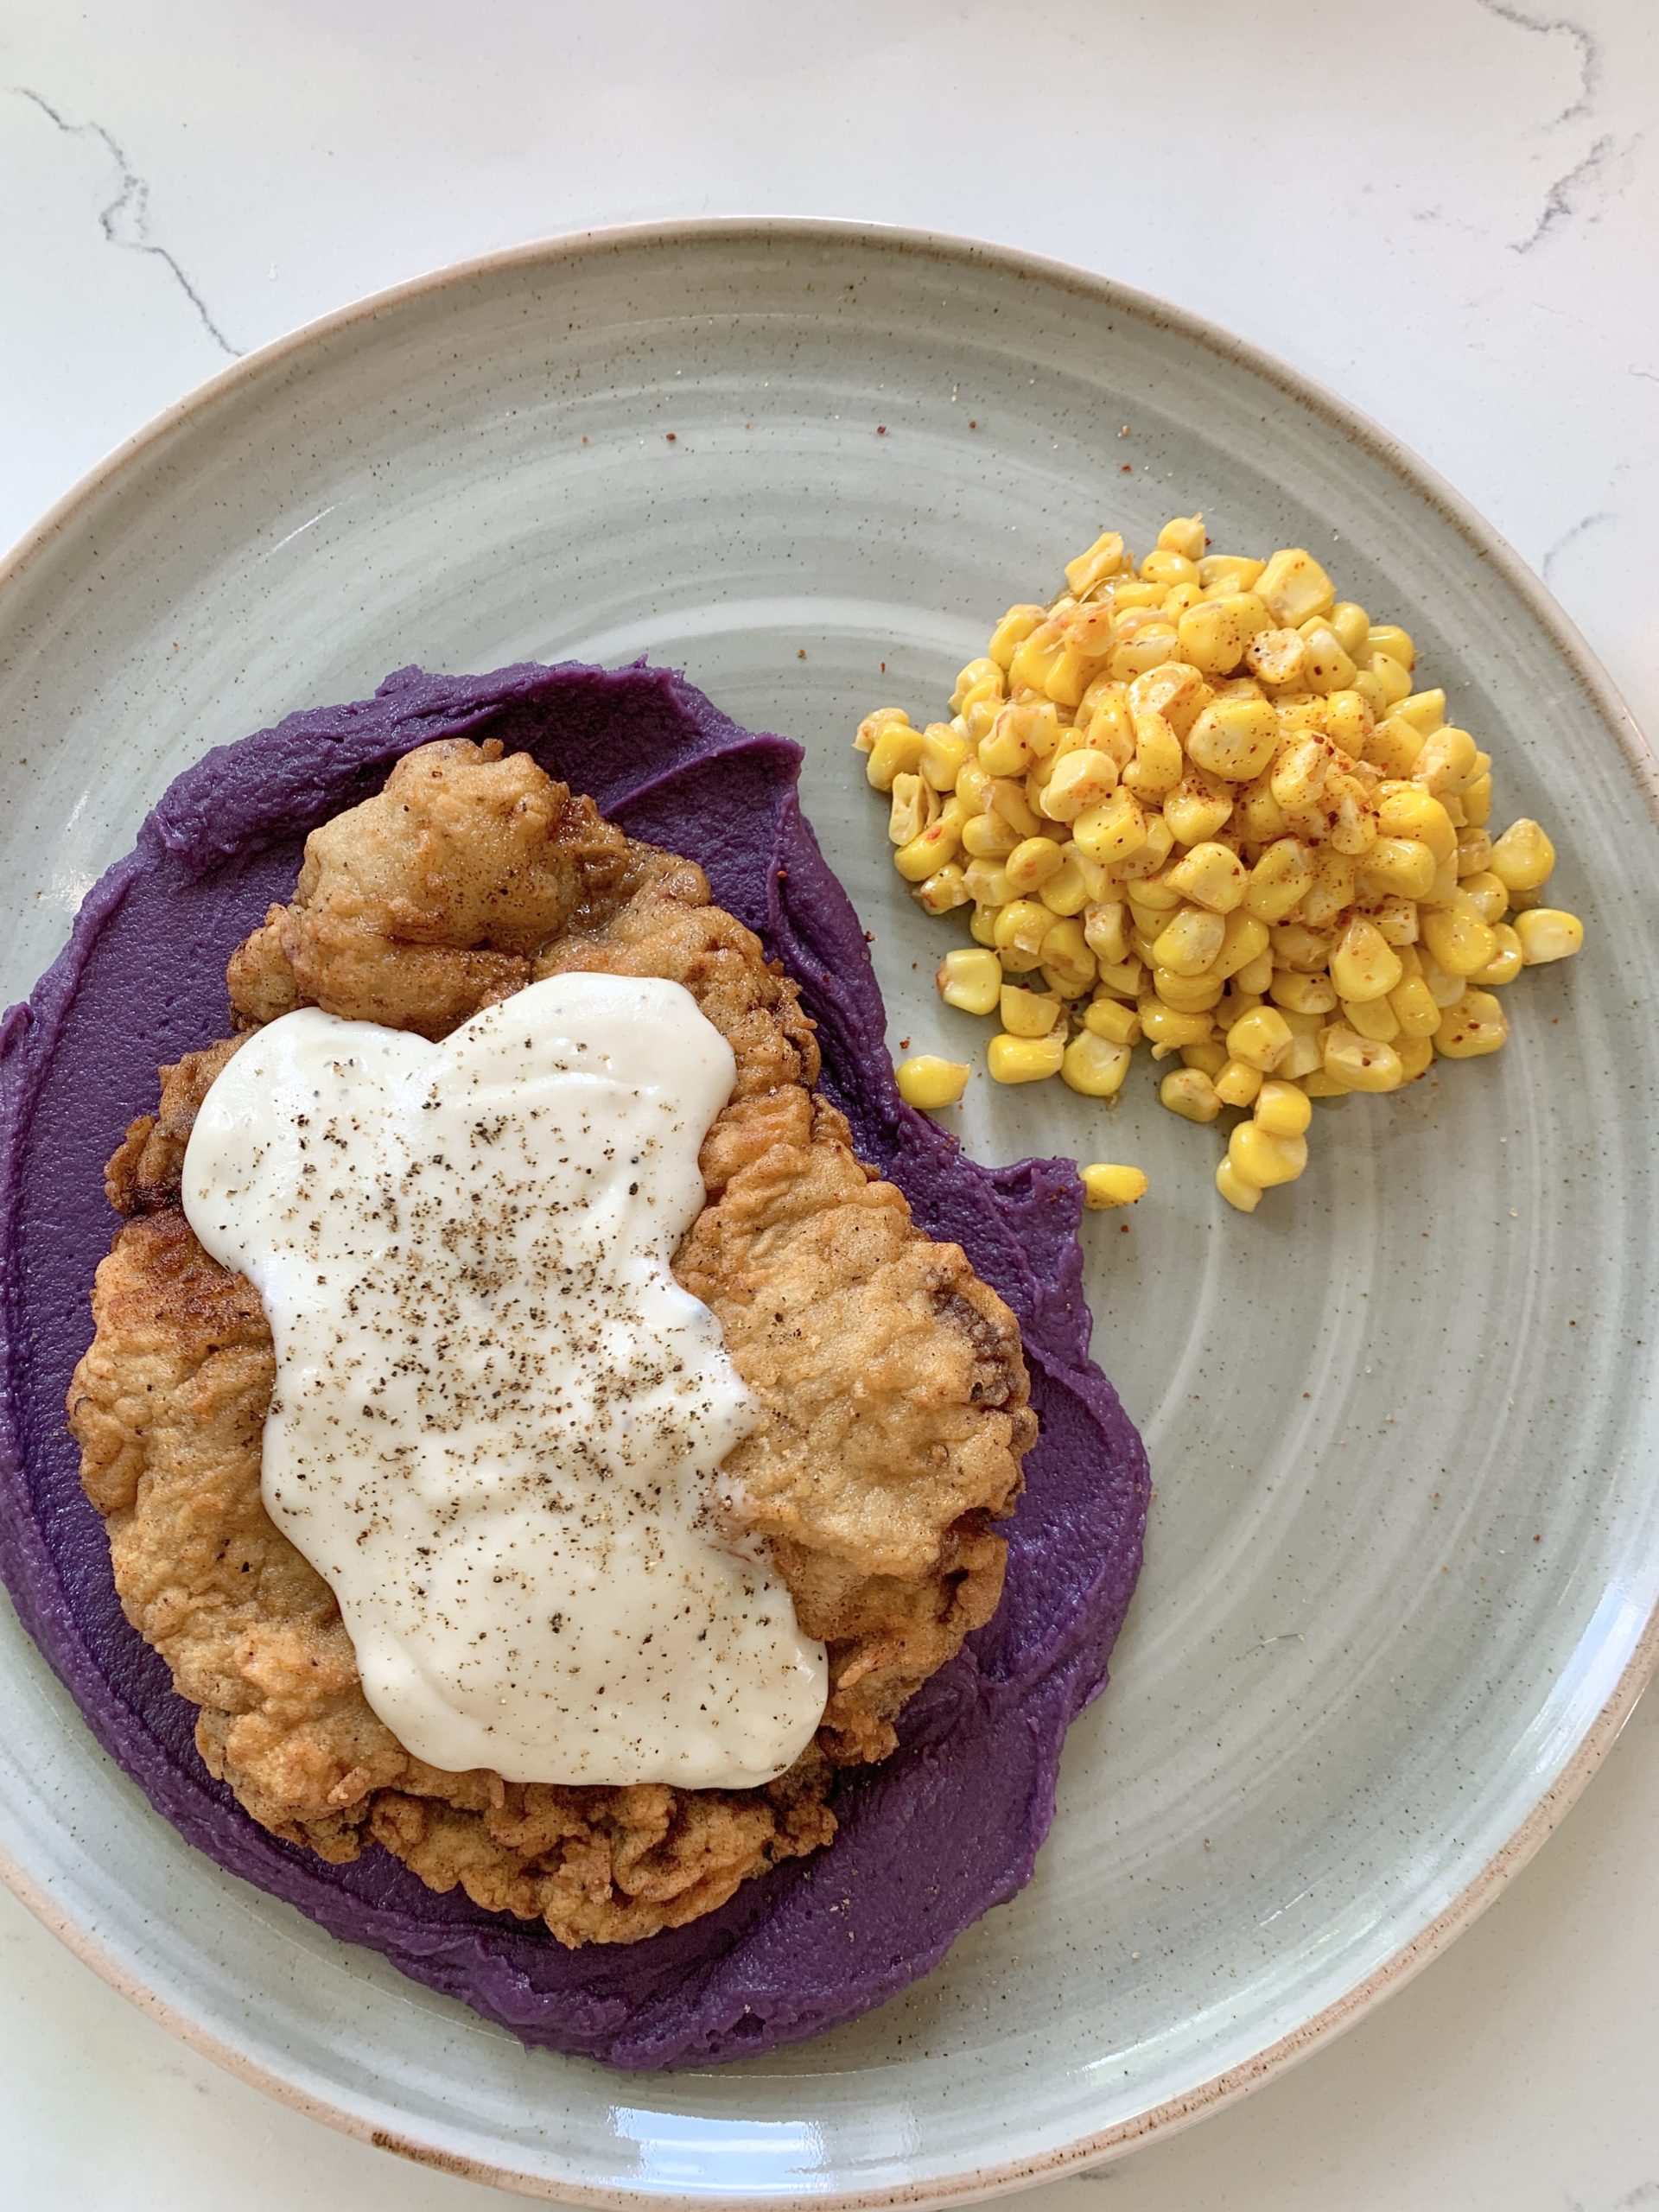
pixel 947 1828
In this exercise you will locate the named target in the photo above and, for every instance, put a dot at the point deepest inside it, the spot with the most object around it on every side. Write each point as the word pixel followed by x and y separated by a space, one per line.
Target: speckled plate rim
pixel 1419 478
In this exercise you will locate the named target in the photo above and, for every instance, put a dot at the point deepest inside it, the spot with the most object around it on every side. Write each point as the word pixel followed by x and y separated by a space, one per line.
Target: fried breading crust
pixel 891 1380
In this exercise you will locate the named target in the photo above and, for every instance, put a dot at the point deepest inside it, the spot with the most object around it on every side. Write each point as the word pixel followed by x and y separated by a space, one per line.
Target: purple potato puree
pixel 950 1826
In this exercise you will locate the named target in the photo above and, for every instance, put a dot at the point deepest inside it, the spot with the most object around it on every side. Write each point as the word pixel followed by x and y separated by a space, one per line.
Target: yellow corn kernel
pixel 1209 1059
pixel 1361 1063
pixel 1238 1084
pixel 1210 876
pixel 977 677
pixel 1281 1109
pixel 1024 1059
pixel 1182 534
pixel 1229 571
pixel 1475 1026
pixel 1243 941
pixel 1328 668
pixel 1178 599
pixel 1263 1157
pixel 1163 565
pixel 1080 780
pixel 1295 945
pixel 1300 775
pixel 1027 1014
pixel 1021 926
pixel 1474 851
pixel 1105 1184
pixel 1158 765
pixel 929 1083
pixel 1302 1060
pixel 1186 993
pixel 1320 1084
pixel 1295 587
pixel 1523 856
pixel 944 890
pixel 1106 931
pixel 1547 933
pixel 1371 690
pixel 1173 690
pixel 1332 892
pixel 972 979
pixel 973 788
pixel 1257 974
pixel 1123 979
pixel 873 723
pixel 1146 648
pixel 1365 965
pixel 1095 1066
pixel 914 806
pixel 1477 800
pixel 1014 629
pixel 1162 1025
pixel 1190 1093
pixel 1405 810
pixel 1036 657
pixel 1506 963
pixel 1189 942
pixel 1397 919
pixel 988 837
pixel 1401 866
pixel 1446 763
pixel 987 881
pixel 1296 994
pixel 929 851
pixel 1388 637
pixel 1110 1019
pixel 1349 721
pixel 1260 1038
pixel 1104 558
pixel 1148 860
pixel 1214 634
pixel 1087 630
pixel 1027 730
pixel 1416 1056
pixel 1483 893
pixel 1113 832
pixel 1459 942
pixel 1032 863
pixel 1351 624
pixel 1372 1018
pixel 1445 990
pixel 1233 1187
pixel 1129 593
pixel 1278 658
pixel 1443 890
pixel 1280 880
pixel 1393 680
pixel 1197 807
pixel 1414 1007
pixel 897 751
pixel 1234 739
pixel 1394 746
pixel 942 756
pixel 1069 967
pixel 982 924
pixel 1425 711
pixel 1067 891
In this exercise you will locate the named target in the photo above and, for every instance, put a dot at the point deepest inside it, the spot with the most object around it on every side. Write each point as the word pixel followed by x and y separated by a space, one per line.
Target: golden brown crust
pixel 892 1379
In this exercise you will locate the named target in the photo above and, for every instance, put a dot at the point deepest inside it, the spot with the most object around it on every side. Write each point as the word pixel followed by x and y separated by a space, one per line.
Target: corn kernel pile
pixel 1198 800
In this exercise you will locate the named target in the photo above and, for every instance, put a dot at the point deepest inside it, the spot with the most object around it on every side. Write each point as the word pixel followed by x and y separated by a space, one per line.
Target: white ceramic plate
pixel 1404 1553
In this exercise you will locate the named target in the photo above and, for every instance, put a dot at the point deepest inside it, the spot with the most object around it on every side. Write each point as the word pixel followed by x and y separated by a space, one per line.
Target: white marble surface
pixel 1446 208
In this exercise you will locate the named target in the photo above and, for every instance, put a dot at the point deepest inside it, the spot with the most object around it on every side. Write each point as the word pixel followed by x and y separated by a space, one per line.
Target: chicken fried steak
pixel 892 1389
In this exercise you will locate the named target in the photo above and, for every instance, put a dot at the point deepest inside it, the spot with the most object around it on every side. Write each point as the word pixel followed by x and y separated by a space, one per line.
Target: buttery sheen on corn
pixel 1198 801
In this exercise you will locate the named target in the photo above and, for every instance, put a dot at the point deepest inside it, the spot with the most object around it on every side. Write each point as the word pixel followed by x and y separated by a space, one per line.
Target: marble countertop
pixel 1443 208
